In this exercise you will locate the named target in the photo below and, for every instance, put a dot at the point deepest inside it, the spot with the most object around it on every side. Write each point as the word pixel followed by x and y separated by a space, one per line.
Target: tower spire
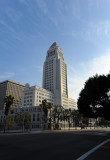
pixel 55 44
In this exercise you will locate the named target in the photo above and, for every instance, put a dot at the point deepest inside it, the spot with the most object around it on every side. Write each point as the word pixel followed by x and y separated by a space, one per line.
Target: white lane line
pixel 92 150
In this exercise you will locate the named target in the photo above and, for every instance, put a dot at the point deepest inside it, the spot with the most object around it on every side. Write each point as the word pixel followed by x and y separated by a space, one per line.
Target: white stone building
pixel 33 96
pixel 35 112
pixel 55 82
pixel 72 103
pixel 55 76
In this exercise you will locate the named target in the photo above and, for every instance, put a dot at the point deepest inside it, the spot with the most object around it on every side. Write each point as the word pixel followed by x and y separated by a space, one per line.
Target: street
pixel 52 145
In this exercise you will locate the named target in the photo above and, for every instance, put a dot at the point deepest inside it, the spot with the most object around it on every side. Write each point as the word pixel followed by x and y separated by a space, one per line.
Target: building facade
pixel 55 84
pixel 72 103
pixel 37 120
pixel 35 112
pixel 33 96
pixel 11 88
pixel 55 76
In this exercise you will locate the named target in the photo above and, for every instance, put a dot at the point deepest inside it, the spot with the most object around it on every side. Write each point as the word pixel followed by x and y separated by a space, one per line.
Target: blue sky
pixel 29 27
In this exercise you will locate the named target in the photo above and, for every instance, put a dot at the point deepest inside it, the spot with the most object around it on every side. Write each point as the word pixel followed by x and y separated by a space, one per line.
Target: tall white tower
pixel 55 78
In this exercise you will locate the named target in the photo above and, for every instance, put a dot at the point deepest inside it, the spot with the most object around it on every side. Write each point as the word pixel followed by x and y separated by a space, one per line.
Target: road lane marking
pixel 92 150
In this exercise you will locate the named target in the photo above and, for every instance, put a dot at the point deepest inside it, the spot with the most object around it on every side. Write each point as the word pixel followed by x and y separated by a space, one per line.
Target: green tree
pixel 23 120
pixel 50 115
pixel 9 100
pixel 10 122
pixel 57 113
pixel 85 122
pixel 94 99
pixel 64 116
pixel 67 116
pixel 76 116
pixel 45 108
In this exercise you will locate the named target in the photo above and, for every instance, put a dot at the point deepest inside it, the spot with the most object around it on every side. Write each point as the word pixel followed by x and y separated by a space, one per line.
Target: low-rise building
pixel 33 96
pixel 72 103
pixel 35 112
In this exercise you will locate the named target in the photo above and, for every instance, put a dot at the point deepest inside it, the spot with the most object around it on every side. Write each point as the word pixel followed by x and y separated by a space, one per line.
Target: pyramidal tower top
pixel 55 44
pixel 54 51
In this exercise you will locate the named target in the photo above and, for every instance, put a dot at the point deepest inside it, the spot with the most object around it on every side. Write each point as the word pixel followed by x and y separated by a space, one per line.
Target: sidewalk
pixel 10 132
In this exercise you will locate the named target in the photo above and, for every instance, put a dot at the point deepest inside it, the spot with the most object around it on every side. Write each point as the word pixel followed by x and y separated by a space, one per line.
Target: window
pixel 38 118
pixel 34 117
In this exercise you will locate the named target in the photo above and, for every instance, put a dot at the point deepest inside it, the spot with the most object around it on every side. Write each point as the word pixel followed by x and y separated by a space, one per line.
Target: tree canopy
pixel 45 105
pixel 23 120
pixel 94 98
pixel 9 100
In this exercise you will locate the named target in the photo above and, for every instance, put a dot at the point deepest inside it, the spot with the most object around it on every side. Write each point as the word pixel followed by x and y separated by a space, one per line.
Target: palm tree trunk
pixel 50 120
pixel 5 124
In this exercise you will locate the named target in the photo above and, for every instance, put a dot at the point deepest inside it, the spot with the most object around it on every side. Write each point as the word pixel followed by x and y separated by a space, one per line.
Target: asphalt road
pixel 55 145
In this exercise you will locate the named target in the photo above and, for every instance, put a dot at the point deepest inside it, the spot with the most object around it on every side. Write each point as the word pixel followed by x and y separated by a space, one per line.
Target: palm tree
pixel 44 107
pixel 50 115
pixel 57 115
pixel 69 114
pixel 9 100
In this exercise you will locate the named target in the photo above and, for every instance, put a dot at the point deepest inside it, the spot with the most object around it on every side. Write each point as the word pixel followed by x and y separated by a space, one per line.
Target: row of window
pixel 51 53
pixel 46 95
pixel 27 97
pixel 28 93
pixel 28 100
pixel 27 104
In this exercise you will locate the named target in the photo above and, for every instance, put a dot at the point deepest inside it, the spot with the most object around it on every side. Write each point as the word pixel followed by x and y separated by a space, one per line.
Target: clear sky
pixel 29 27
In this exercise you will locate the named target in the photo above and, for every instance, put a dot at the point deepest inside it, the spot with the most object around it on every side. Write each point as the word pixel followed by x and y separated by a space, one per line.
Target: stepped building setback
pixel 55 82
pixel 33 96
pixel 55 78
